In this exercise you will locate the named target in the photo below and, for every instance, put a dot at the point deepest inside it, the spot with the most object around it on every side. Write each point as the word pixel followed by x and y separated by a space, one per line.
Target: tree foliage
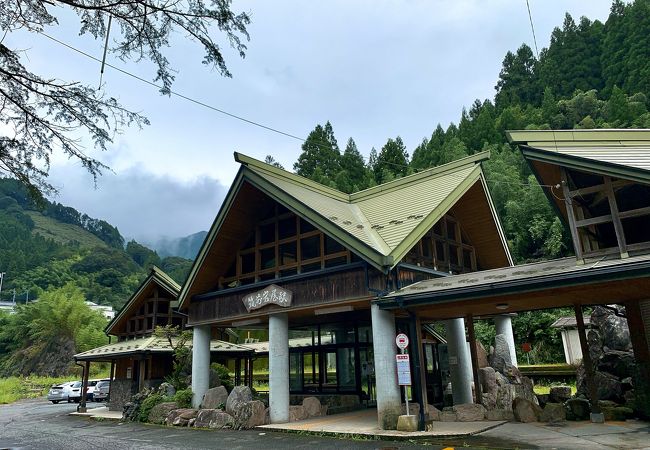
pixel 42 115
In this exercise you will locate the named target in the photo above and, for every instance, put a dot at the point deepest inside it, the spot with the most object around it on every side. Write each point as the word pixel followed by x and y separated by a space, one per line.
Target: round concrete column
pixel 389 403
pixel 504 326
pixel 460 361
pixel 200 363
pixel 279 368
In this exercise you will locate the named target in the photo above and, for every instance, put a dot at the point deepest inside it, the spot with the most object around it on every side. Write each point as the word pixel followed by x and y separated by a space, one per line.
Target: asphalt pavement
pixel 37 424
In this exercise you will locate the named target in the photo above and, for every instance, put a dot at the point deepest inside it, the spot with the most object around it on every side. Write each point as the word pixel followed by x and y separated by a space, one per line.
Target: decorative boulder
pixel 500 414
pixel 181 417
pixel 614 332
pixel 525 410
pixel 559 394
pixel 553 412
pixel 159 413
pixel 487 376
pixel 297 413
pixel 434 413
pixel 618 363
pixel 469 412
pixel 312 406
pixel 215 397
pixel 489 400
pixel 447 415
pixel 239 394
pixel 617 413
pixel 214 380
pixel 414 409
pixel 167 389
pixel 213 418
pixel 249 415
pixel 542 399
pixel 481 354
pixel 577 408
pixel 500 359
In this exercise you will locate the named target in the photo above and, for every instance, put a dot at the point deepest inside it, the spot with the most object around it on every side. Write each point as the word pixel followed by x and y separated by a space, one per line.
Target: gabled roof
pixel 380 224
pixel 151 344
pixel 617 153
pixel 156 277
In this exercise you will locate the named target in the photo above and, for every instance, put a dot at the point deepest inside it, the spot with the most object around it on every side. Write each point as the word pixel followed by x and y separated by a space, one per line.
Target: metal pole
pixel 406 396
pixel 2 277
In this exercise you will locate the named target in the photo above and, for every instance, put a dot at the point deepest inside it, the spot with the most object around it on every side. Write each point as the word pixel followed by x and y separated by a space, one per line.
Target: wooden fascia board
pixel 209 239
pixel 585 164
pixel 369 254
pixel 497 221
pixel 419 231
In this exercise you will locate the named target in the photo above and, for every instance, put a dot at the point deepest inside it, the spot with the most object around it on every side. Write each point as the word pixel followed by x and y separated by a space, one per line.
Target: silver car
pixel 60 392
pixel 75 392
pixel 102 388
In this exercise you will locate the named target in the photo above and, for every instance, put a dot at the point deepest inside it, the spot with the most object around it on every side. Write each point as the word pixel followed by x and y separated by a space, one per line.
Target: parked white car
pixel 60 392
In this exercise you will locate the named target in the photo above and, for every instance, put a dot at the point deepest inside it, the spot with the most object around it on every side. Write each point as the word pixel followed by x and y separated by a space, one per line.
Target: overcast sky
pixel 374 69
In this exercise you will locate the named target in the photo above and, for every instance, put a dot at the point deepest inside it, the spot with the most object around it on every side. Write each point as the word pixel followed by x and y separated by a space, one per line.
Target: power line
pixel 243 119
pixel 532 27
pixel 185 97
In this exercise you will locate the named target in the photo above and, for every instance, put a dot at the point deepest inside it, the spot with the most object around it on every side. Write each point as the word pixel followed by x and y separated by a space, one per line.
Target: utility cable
pixel 532 27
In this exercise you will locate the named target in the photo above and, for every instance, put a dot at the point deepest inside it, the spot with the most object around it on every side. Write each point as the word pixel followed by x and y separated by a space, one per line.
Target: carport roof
pixel 152 344
pixel 546 276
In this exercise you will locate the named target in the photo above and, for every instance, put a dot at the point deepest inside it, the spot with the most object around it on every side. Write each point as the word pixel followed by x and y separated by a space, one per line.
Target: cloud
pixel 140 204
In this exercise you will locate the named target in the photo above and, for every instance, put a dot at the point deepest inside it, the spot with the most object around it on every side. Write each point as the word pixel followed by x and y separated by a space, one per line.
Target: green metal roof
pixel 152 344
pixel 618 153
pixel 380 224
pixel 155 276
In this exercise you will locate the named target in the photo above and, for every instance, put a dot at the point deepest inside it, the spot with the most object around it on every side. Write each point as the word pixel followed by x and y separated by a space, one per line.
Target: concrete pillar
pixel 504 326
pixel 460 362
pixel 279 368
pixel 200 363
pixel 389 403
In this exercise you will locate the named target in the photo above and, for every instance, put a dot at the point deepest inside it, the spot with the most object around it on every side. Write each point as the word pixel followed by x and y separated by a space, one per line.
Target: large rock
pixel 434 413
pixel 249 415
pixel 524 389
pixel 505 396
pixel 213 418
pixel 214 380
pixel 239 394
pixel 469 412
pixel 166 389
pixel 525 410
pixel 448 415
pixel 577 408
pixel 553 412
pixel 215 398
pixel 617 413
pixel 487 376
pixel 617 362
pixel 542 399
pixel 559 394
pixel 489 400
pixel 181 417
pixel 613 330
pixel 500 359
pixel 312 406
pixel 297 413
pixel 500 414
pixel 594 344
pixel 159 413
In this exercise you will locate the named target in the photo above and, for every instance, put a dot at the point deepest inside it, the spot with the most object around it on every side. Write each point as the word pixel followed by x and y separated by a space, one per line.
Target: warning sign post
pixel 403 366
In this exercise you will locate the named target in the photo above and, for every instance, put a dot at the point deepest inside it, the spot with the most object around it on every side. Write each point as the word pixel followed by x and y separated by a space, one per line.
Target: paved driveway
pixel 35 424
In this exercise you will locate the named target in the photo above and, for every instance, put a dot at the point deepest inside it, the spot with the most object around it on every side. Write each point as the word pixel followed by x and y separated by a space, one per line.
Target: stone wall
pixel 120 394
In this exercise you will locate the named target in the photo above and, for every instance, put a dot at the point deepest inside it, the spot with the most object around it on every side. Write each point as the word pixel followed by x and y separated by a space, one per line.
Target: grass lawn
pixel 16 388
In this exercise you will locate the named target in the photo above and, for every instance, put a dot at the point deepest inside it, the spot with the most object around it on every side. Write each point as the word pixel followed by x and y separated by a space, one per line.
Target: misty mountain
pixel 185 247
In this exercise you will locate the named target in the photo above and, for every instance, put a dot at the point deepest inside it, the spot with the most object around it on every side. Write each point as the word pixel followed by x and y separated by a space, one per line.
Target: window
pixel 283 245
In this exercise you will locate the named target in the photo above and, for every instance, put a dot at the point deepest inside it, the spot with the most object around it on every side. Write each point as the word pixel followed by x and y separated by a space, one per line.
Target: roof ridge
pixel 291 177
pixel 420 176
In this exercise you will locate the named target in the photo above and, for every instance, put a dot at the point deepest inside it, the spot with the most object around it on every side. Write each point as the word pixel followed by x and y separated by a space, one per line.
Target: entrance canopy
pixel 548 284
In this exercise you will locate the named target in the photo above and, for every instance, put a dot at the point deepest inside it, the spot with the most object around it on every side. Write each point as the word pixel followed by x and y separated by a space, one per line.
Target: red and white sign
pixel 403 370
pixel 402 341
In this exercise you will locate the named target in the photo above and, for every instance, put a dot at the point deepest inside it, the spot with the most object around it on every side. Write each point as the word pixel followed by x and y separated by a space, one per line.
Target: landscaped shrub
pixel 148 403
pixel 183 398
pixel 224 375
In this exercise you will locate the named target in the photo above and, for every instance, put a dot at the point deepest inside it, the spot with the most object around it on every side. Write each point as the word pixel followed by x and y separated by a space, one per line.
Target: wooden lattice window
pixel 444 248
pixel 283 245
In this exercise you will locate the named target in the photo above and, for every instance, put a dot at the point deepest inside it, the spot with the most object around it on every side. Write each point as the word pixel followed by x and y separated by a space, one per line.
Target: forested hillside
pixel 45 246
pixel 592 75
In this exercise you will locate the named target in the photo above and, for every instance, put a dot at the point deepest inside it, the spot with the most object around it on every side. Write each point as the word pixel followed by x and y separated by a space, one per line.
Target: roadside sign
pixel 403 370
pixel 402 341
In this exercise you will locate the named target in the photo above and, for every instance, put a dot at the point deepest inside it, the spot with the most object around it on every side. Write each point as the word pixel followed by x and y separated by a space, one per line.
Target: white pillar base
pixel 200 363
pixel 279 368
pixel 460 361
pixel 389 403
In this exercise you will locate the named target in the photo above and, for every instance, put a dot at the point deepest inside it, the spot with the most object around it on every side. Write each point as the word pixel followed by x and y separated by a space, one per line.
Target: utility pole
pixel 2 277
pixel 14 299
